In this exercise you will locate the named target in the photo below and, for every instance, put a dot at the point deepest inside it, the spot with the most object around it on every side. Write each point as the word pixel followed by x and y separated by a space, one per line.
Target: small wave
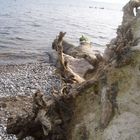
pixel 75 25
pixel 102 37
pixel 3 46
pixel 4 33
pixel 5 15
pixel 21 39
pixel 7 42
pixel 35 25
pixel 96 44
pixel 8 27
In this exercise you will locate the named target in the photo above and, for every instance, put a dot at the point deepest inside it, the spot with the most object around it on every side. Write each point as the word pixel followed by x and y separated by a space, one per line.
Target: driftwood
pixel 51 115
pixel 70 59
pixel 66 72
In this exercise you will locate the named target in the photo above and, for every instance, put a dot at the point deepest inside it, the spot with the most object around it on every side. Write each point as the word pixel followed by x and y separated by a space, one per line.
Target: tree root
pixel 65 70
pixel 48 119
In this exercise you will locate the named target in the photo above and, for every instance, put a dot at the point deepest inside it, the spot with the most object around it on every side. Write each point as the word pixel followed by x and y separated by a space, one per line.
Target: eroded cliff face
pixel 125 123
pixel 123 77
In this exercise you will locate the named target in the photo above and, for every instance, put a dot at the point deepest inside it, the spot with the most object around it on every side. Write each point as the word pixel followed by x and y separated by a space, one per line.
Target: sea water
pixel 30 26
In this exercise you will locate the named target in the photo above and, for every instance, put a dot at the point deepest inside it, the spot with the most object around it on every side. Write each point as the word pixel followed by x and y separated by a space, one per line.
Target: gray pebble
pixel 25 80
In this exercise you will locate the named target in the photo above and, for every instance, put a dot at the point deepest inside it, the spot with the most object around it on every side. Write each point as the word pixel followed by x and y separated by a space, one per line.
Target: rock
pixel 78 65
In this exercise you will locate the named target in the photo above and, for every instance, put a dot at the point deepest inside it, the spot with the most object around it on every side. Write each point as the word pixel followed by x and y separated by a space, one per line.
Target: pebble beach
pixel 24 80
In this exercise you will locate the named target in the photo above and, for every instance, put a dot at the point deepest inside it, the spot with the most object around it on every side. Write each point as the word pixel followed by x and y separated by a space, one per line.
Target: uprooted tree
pixel 51 114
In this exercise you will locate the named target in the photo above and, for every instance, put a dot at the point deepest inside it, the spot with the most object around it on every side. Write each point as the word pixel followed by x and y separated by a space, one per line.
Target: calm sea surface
pixel 28 27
